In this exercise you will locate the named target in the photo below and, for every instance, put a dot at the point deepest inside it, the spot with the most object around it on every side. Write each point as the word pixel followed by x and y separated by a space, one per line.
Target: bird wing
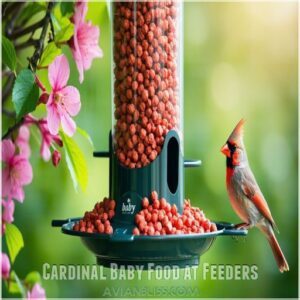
pixel 252 191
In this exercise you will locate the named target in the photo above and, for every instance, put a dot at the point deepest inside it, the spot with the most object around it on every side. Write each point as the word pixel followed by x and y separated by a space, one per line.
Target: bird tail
pixel 277 252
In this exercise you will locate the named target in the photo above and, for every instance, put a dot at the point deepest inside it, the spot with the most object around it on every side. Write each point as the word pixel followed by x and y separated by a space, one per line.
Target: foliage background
pixel 240 60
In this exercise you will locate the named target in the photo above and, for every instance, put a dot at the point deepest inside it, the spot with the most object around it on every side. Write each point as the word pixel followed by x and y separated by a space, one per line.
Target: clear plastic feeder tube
pixel 147 78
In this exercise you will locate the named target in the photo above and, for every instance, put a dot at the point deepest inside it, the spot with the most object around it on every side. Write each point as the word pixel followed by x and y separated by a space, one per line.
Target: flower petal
pixel 6 183
pixel 8 211
pixel 80 12
pixel 23 169
pixel 68 124
pixel 8 150
pixel 88 38
pixel 22 141
pixel 59 72
pixel 45 151
pixel 84 44
pixel 37 292
pixel 18 193
pixel 71 100
pixel 53 118
pixel 77 57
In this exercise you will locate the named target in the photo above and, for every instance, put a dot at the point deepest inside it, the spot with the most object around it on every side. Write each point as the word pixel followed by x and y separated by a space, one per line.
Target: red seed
pixel 150 231
pixel 135 231
pixel 145 202
pixel 163 203
pixel 154 196
pixel 109 230
pixel 148 217
pixel 174 209
pixel 165 220
pixel 104 217
pixel 158 226
pixel 168 207
pixel 213 227
pixel 100 228
pixel 154 217
pixel 112 204
pixel 134 85
pixel 156 204
pixel 111 214
pixel 179 224
pixel 169 227
pixel 139 218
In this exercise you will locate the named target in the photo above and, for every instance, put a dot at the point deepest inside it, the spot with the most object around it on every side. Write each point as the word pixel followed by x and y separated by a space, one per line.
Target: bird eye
pixel 231 146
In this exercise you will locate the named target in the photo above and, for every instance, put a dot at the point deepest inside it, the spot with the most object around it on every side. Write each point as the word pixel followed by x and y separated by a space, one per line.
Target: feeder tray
pixel 124 249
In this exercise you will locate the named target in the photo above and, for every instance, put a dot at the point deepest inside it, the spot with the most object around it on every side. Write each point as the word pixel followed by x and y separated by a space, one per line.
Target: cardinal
pixel 245 195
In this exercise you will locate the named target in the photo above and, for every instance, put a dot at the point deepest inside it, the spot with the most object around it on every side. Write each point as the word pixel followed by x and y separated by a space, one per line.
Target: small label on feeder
pixel 128 208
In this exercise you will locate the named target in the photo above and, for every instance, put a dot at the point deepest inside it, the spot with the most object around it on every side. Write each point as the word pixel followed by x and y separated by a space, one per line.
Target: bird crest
pixel 237 133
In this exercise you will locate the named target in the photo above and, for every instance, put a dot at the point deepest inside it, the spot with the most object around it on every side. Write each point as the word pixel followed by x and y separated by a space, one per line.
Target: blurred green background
pixel 240 60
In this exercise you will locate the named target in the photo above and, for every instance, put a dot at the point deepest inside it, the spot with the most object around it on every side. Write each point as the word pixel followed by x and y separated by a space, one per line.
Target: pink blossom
pixel 37 292
pixel 64 101
pixel 84 43
pixel 16 173
pixel 47 140
pixel 8 211
pixel 5 266
pixel 22 141
pixel 47 137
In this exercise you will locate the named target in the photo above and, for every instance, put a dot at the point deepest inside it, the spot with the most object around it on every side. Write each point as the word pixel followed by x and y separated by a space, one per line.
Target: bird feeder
pixel 146 141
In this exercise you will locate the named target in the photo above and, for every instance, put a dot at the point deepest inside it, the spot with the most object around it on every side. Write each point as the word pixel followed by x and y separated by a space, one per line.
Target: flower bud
pixel 5 266
pixel 56 156
pixel 44 98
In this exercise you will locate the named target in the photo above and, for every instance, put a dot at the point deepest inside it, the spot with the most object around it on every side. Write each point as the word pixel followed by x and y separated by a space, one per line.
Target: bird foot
pixel 242 226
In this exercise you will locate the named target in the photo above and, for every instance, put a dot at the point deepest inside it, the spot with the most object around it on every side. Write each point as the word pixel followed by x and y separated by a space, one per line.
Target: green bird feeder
pixel 146 143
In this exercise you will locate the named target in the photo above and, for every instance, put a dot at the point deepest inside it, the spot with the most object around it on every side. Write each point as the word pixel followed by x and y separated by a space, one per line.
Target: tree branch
pixel 8 87
pixel 10 114
pixel 14 17
pixel 30 29
pixel 39 49
pixel 8 8
pixel 28 43
pixel 34 59
pixel 12 129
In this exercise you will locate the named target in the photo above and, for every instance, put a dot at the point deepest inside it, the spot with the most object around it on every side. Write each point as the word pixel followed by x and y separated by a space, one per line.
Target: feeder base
pixel 124 249
pixel 146 265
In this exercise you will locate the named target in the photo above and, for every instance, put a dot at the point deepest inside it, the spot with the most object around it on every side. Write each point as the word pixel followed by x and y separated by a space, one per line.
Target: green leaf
pixel 85 135
pixel 25 93
pixel 49 54
pixel 14 241
pixel 15 285
pixel 65 33
pixel 67 8
pixel 32 278
pixel 108 8
pixel 76 162
pixel 30 11
pixel 9 56
pixel 58 20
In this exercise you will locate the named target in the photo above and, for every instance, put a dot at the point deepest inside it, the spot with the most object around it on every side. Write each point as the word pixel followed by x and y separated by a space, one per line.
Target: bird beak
pixel 225 150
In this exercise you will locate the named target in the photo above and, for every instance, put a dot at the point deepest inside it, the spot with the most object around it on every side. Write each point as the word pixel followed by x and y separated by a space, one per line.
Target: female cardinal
pixel 245 196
